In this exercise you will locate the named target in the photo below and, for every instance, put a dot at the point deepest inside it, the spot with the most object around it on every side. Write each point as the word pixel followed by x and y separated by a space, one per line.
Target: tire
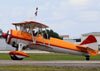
pixel 13 57
pixel 87 58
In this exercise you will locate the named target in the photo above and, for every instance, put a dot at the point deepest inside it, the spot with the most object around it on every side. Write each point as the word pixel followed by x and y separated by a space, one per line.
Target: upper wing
pixel 32 23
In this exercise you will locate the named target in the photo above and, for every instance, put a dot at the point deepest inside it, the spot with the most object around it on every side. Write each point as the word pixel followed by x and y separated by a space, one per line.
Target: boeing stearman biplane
pixel 29 34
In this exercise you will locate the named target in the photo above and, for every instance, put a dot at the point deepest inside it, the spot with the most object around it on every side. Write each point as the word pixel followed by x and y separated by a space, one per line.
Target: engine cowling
pixel 7 36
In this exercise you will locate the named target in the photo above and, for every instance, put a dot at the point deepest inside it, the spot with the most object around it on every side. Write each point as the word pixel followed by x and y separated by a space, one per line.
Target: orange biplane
pixel 29 34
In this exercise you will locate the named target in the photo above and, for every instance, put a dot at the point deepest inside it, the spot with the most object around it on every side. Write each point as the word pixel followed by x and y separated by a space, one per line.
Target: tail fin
pixel 90 42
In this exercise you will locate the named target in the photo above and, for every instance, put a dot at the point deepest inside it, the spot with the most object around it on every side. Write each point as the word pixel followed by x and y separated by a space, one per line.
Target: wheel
pixel 17 55
pixel 13 57
pixel 87 58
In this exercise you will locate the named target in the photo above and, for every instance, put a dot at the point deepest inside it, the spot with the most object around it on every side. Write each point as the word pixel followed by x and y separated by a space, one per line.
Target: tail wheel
pixel 13 57
pixel 87 58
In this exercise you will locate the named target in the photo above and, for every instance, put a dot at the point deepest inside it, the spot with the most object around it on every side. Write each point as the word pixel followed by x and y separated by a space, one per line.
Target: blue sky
pixel 67 17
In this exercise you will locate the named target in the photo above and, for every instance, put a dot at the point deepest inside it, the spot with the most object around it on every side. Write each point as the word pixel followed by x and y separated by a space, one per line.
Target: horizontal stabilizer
pixel 91 51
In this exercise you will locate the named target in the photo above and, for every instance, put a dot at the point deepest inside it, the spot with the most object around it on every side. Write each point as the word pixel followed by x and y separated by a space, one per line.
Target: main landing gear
pixel 13 57
pixel 18 55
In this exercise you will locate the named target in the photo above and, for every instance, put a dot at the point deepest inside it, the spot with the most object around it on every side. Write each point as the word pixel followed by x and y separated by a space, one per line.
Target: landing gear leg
pixel 20 47
pixel 17 49
pixel 18 54
pixel 87 58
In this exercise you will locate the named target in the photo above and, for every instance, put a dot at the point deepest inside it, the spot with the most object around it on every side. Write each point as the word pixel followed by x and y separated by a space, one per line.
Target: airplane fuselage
pixel 52 45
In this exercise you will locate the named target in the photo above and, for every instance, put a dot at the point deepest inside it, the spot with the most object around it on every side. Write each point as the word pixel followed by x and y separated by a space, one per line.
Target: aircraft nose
pixel 4 35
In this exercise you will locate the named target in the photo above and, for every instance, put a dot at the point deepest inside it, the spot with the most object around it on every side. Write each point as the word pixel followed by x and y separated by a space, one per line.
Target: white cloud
pixel 73 28
pixel 78 2
pixel 16 12
pixel 63 27
pixel 59 14
pixel 89 16
pixel 54 11
pixel 63 16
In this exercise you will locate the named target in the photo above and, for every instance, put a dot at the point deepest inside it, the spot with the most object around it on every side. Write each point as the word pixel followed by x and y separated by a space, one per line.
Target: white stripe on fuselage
pixel 62 50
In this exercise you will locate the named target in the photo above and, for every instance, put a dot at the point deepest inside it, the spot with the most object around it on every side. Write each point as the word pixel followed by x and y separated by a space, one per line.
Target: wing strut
pixel 31 30
pixel 42 35
pixel 37 34
pixel 47 36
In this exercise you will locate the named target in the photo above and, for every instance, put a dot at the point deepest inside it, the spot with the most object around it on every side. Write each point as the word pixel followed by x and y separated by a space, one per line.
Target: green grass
pixel 59 57
pixel 4 56
pixel 54 57
pixel 43 68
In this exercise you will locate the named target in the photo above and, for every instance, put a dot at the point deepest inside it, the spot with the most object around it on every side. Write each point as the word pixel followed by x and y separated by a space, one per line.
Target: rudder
pixel 90 42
